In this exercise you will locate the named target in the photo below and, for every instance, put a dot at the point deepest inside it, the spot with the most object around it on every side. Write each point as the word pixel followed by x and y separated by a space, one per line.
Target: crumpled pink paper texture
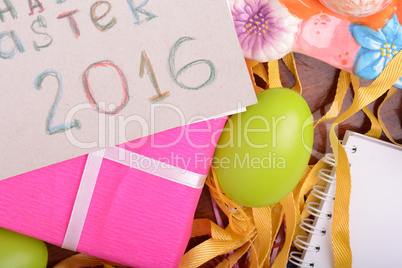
pixel 135 218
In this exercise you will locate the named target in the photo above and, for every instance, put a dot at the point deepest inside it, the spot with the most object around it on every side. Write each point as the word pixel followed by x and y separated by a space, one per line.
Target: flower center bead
pixel 388 50
pixel 257 25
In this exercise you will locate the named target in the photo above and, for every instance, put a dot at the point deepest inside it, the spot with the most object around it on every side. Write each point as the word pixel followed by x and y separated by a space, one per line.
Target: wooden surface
pixel 319 82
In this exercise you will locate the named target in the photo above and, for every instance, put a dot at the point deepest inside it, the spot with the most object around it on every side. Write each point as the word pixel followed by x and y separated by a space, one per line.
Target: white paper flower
pixel 265 28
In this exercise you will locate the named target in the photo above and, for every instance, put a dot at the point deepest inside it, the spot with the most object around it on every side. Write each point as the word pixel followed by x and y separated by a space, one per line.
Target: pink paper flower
pixel 265 28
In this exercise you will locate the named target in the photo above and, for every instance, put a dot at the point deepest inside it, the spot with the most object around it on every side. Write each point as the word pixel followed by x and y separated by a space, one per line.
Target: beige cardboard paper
pixel 79 76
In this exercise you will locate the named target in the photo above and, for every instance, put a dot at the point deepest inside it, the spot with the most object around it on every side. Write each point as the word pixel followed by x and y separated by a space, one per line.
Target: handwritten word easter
pixel 136 10
pixel 12 44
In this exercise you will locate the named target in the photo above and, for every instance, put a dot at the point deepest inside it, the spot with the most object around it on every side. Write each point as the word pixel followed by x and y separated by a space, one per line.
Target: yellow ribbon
pixel 260 228
pixel 342 87
pixel 252 229
pixel 303 196
pixel 390 93
pixel 258 69
pixel 289 208
pixel 274 79
pixel 290 63
pixel 340 223
pixel 375 130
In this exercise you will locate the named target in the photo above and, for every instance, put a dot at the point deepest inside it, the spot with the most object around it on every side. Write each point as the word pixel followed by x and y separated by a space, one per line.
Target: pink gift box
pixel 136 216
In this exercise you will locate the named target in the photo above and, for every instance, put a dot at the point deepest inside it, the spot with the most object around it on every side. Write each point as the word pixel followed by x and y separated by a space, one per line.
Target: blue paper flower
pixel 378 48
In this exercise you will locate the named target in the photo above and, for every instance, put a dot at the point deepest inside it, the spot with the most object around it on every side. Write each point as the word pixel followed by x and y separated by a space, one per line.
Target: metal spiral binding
pixel 307 224
pixel 295 257
pixel 319 192
pixel 312 208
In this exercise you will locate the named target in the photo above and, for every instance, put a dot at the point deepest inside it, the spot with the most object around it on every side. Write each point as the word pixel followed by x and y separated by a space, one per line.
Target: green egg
pixel 263 152
pixel 20 251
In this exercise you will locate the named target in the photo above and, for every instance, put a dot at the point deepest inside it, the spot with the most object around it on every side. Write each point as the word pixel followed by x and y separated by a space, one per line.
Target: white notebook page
pixel 375 207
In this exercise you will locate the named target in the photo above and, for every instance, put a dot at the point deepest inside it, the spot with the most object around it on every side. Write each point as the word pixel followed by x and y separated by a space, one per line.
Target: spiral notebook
pixel 375 208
